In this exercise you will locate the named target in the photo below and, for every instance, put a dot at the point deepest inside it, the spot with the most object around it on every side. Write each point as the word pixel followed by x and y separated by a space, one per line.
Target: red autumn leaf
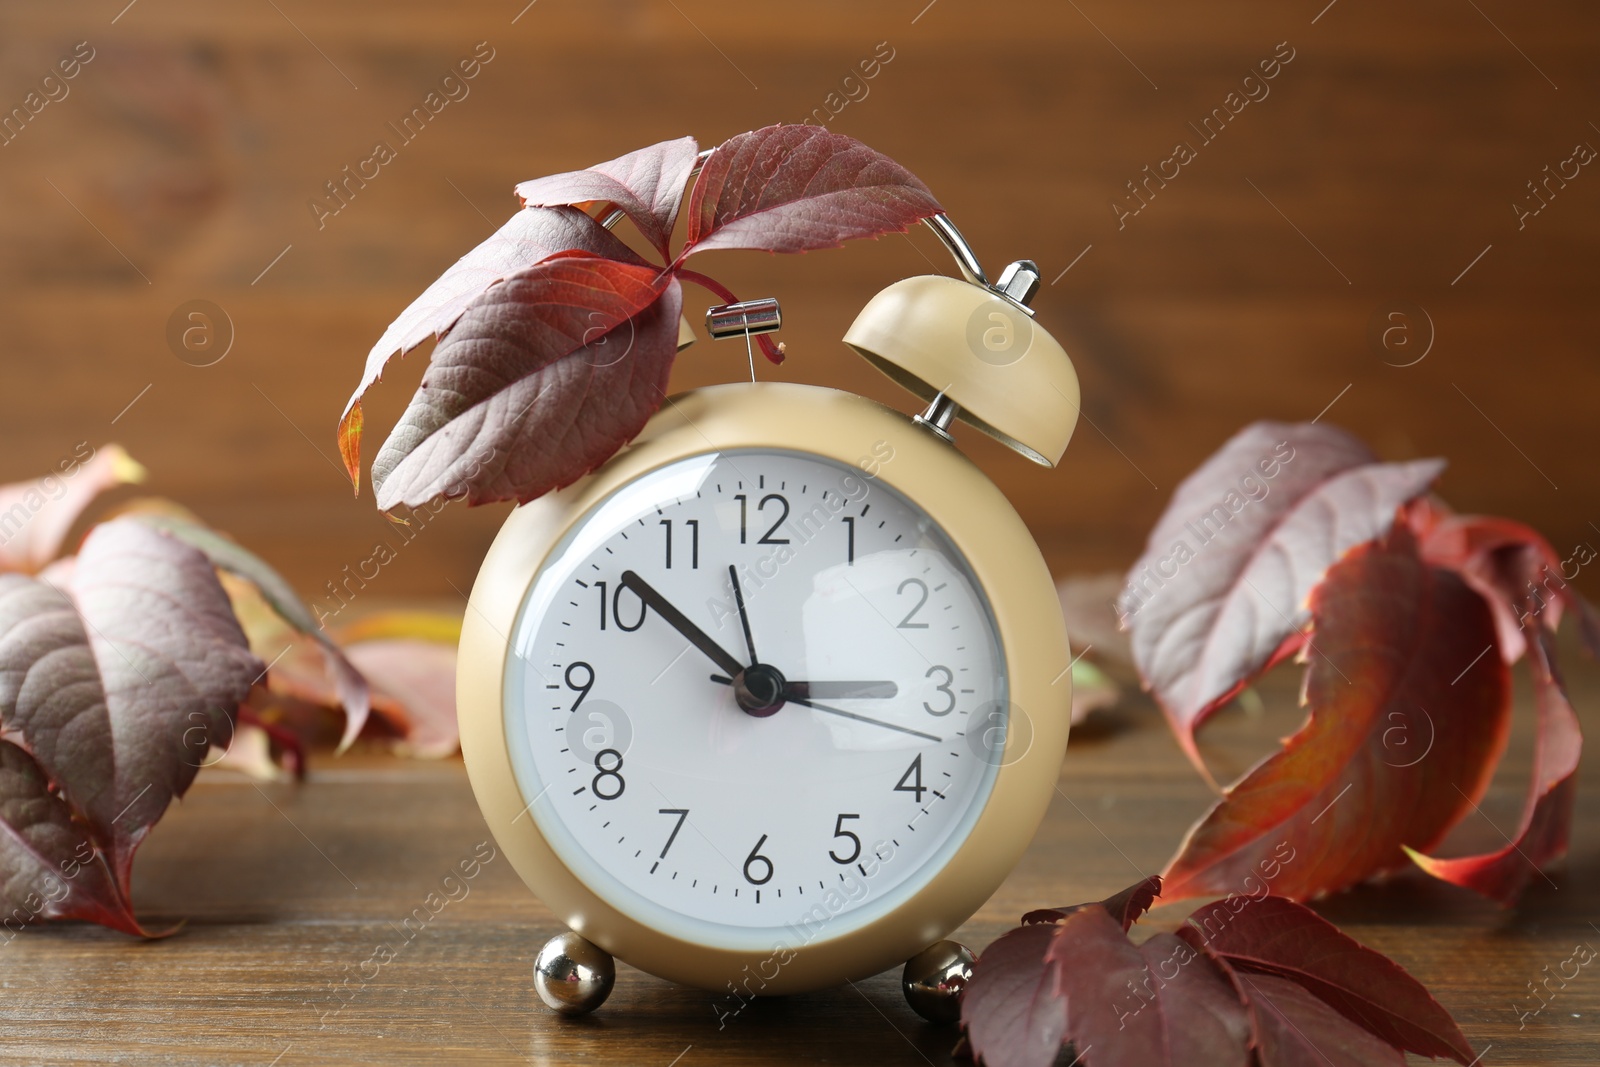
pixel 1295 1029
pixel 1221 592
pixel 539 382
pixel 1125 907
pixel 1162 1003
pixel 529 237
pixel 511 374
pixel 1013 1011
pixel 228 555
pixel 1262 974
pixel 1274 936
pixel 49 868
pixel 117 687
pixel 799 188
pixel 1513 566
pixel 1525 582
pixel 646 185
pixel 1407 720
pixel 1546 823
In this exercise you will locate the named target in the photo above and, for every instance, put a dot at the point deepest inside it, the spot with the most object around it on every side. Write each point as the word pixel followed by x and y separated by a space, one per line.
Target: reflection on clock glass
pixel 753 696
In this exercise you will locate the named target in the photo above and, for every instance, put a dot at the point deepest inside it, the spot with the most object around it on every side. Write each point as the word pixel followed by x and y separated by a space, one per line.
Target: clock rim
pixel 1003 559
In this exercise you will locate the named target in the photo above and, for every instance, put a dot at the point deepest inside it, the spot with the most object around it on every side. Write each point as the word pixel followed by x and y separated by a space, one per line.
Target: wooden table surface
pixel 287 890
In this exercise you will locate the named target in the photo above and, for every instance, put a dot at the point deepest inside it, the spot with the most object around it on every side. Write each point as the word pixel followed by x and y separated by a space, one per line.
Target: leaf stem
pixel 713 286
pixel 773 352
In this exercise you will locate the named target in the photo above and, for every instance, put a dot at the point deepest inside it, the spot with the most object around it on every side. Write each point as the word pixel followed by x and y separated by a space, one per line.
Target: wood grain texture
pixel 285 894
pixel 1384 159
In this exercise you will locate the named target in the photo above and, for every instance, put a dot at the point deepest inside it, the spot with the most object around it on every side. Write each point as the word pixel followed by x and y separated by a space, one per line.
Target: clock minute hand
pixel 680 622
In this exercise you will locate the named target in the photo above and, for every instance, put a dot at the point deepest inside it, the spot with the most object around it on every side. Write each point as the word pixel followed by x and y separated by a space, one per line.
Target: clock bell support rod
pixel 1018 284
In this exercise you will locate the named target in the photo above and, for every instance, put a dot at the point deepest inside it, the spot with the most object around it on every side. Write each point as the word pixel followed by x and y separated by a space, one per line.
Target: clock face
pixel 755 697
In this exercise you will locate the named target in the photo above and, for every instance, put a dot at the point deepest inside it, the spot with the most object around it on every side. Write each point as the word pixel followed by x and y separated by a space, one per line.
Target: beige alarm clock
pixel 777 696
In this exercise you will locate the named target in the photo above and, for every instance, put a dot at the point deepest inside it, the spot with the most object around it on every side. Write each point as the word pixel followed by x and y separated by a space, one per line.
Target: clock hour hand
pixel 680 622
pixel 830 690
pixel 840 690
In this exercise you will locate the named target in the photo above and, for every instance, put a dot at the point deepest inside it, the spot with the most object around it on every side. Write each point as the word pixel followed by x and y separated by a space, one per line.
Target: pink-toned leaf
pixel 418 680
pixel 51 699
pixel 538 383
pixel 228 555
pixel 1125 907
pixel 1279 937
pixel 1222 589
pixel 1407 720
pixel 116 689
pixel 530 236
pixel 35 516
pixel 1295 1029
pixel 799 188
pixel 1546 825
pixel 173 665
pixel 49 869
pixel 646 185
pixel 1162 1003
pixel 1012 1011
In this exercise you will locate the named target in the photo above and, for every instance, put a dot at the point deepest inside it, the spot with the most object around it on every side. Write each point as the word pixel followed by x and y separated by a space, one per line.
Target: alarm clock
pixel 777 696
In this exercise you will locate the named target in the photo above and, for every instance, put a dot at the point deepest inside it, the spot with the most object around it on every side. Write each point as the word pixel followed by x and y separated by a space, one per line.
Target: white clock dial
pixel 755 696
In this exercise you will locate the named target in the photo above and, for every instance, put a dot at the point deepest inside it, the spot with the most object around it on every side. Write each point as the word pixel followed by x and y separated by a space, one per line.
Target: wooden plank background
pixel 1384 163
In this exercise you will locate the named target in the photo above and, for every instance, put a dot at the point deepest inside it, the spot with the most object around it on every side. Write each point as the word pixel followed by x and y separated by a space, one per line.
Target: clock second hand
pixel 863 718
pixel 744 616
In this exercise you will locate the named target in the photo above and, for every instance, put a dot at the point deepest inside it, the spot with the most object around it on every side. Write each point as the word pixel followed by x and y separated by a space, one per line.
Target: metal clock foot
pixel 933 980
pixel 573 976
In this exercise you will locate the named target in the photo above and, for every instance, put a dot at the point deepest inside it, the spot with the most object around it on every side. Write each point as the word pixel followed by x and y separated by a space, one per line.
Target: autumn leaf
pixel 646 185
pixel 114 689
pixel 1513 567
pixel 228 555
pixel 1125 907
pixel 411 656
pixel 530 236
pixel 1072 975
pixel 799 188
pixel 560 338
pixel 1546 824
pixel 539 382
pixel 1295 1029
pixel 1248 980
pixel 1160 1004
pixel 1013 1011
pixel 1407 720
pixel 1278 937
pixel 35 516
pixel 1221 592
pixel 49 869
